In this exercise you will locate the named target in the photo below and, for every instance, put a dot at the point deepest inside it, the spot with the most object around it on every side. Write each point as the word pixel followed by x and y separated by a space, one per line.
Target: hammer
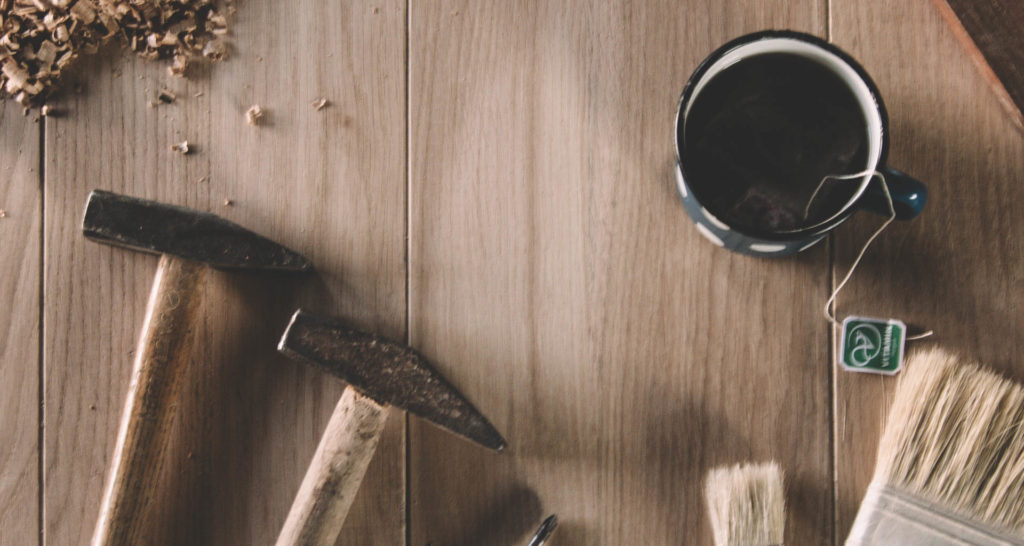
pixel 188 241
pixel 379 373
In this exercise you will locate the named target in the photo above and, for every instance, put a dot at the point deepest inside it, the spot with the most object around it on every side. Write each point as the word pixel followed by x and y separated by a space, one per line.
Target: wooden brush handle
pixel 334 475
pixel 161 358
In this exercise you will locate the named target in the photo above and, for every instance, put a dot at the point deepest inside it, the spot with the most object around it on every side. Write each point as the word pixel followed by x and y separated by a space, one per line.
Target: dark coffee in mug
pixel 761 136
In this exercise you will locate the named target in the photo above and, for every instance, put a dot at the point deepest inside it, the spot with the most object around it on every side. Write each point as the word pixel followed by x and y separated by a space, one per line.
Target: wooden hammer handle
pixel 164 350
pixel 334 475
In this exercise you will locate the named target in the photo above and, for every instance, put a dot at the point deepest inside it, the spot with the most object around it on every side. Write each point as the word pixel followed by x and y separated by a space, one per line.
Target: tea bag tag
pixel 872 345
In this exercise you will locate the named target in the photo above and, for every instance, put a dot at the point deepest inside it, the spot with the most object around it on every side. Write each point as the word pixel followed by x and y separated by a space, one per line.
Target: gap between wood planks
pixel 40 373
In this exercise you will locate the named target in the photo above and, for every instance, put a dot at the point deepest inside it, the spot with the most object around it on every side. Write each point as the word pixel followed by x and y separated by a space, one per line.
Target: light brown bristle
pixel 955 437
pixel 746 504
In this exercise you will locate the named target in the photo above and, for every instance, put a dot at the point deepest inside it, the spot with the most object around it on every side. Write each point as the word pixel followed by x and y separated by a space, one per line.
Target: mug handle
pixel 908 195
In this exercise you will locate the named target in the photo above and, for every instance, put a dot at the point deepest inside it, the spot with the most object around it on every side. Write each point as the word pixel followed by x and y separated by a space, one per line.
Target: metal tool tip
pixel 483 432
pixel 282 346
pixel 544 532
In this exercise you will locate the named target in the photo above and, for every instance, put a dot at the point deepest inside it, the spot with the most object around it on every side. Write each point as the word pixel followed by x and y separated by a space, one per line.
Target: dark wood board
pixel 993 33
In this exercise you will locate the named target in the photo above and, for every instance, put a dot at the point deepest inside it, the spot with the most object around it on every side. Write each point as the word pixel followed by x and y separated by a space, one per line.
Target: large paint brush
pixel 950 467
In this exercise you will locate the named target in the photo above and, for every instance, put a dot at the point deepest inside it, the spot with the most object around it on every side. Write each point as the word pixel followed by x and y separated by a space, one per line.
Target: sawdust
pixel 182 147
pixel 254 114
pixel 166 96
pixel 40 39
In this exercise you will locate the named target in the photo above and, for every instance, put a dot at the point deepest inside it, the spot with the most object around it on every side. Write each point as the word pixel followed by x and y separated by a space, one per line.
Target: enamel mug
pixel 908 195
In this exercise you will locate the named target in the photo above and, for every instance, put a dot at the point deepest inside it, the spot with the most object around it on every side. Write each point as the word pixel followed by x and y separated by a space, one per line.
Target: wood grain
pixel 161 364
pixel 20 268
pixel 957 268
pixel 553 276
pixel 556 280
pixel 335 473
pixel 329 184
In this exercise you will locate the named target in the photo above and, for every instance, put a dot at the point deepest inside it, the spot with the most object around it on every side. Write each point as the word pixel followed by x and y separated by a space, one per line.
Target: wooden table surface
pixel 491 182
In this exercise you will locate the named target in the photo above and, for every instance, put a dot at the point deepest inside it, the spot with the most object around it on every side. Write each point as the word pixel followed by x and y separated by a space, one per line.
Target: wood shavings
pixel 215 50
pixel 229 203
pixel 168 29
pixel 182 147
pixel 320 104
pixel 166 96
pixel 178 66
pixel 40 39
pixel 254 114
pixel 3 213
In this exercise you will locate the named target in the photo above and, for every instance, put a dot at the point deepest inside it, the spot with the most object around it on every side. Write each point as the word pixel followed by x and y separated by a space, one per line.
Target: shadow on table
pixel 214 475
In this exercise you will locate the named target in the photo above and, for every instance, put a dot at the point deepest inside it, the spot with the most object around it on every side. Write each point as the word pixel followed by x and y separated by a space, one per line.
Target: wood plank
pixel 327 183
pixel 556 280
pixel 20 231
pixel 957 268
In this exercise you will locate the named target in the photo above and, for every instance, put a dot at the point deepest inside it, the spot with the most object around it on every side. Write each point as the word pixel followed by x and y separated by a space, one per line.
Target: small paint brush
pixel 746 504
pixel 950 468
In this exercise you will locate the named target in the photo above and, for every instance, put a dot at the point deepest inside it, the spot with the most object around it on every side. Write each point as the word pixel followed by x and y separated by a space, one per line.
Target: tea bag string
pixel 856 261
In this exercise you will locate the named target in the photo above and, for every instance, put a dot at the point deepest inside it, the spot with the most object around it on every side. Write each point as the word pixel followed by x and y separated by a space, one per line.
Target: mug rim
pixel 718 53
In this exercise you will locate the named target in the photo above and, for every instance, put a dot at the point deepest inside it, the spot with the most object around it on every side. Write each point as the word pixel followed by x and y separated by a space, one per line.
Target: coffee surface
pixel 763 133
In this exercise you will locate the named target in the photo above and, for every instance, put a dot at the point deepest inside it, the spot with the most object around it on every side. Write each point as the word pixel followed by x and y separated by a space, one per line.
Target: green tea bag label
pixel 872 345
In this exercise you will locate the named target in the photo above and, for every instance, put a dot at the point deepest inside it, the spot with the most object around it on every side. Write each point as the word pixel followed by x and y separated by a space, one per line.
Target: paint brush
pixel 950 468
pixel 746 505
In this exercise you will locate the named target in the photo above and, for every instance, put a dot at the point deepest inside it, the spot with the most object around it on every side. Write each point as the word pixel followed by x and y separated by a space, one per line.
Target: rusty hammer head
pixel 159 228
pixel 388 372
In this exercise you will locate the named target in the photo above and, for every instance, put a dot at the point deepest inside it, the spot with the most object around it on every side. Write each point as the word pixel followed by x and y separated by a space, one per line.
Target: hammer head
pixel 159 228
pixel 388 372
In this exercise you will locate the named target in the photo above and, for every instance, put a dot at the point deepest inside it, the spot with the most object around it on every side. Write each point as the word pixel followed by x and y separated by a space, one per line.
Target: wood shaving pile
pixel 39 39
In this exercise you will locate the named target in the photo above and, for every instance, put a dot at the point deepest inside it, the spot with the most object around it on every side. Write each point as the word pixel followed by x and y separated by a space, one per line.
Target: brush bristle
pixel 955 437
pixel 746 504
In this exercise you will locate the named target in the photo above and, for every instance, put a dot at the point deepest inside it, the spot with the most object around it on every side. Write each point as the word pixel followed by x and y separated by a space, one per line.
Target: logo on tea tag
pixel 872 345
